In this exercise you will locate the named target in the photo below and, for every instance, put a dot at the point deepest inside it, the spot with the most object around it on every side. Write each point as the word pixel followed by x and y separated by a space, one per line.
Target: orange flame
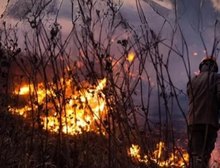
pixel 131 57
pixel 23 90
pixel 71 111
pixel 174 160
pixel 134 151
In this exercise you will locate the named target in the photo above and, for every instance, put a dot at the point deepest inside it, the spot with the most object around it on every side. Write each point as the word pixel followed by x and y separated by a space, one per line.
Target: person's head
pixel 208 64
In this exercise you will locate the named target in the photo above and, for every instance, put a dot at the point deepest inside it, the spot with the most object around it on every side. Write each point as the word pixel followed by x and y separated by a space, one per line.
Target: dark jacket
pixel 204 99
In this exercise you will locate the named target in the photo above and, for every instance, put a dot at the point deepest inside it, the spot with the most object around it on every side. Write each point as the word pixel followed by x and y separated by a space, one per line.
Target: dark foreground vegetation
pixel 21 146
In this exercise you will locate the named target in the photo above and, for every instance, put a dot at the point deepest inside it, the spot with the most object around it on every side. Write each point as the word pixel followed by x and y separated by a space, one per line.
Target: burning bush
pixel 65 108
pixel 160 157
pixel 88 94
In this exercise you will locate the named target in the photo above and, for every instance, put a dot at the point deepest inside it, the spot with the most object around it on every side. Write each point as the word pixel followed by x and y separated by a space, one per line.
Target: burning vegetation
pixel 72 110
pixel 160 156
pixel 86 98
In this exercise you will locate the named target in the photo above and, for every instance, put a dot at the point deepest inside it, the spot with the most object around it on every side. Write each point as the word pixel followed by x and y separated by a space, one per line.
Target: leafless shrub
pixel 100 44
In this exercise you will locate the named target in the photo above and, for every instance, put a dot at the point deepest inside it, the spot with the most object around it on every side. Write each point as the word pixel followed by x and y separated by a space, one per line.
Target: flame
pixel 175 159
pixel 71 111
pixel 24 90
pixel 20 111
pixel 131 57
pixel 134 151
pixel 160 147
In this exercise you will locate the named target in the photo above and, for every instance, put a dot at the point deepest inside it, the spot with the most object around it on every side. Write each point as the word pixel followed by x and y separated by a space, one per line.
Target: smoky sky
pixel 196 19
pixel 193 16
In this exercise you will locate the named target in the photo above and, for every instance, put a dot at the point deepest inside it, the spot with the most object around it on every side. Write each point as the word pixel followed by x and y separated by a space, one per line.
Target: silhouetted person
pixel 203 91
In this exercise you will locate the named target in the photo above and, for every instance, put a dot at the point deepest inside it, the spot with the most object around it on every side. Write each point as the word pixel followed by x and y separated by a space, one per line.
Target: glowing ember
pixel 134 151
pixel 175 159
pixel 131 57
pixel 68 110
pixel 195 53
pixel 21 111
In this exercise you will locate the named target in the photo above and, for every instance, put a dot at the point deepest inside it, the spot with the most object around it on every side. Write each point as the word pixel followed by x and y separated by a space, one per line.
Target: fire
pixel 24 90
pixel 72 111
pixel 20 111
pixel 131 57
pixel 175 159
pixel 158 152
pixel 134 151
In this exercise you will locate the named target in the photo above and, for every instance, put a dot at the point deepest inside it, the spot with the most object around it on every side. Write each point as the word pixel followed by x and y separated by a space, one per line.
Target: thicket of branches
pixel 97 46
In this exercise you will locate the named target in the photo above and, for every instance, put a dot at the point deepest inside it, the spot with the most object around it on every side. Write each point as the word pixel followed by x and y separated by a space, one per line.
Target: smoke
pixel 163 3
pixel 20 9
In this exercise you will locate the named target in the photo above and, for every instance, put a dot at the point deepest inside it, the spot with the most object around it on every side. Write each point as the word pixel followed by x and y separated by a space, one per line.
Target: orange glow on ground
pixel 175 159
